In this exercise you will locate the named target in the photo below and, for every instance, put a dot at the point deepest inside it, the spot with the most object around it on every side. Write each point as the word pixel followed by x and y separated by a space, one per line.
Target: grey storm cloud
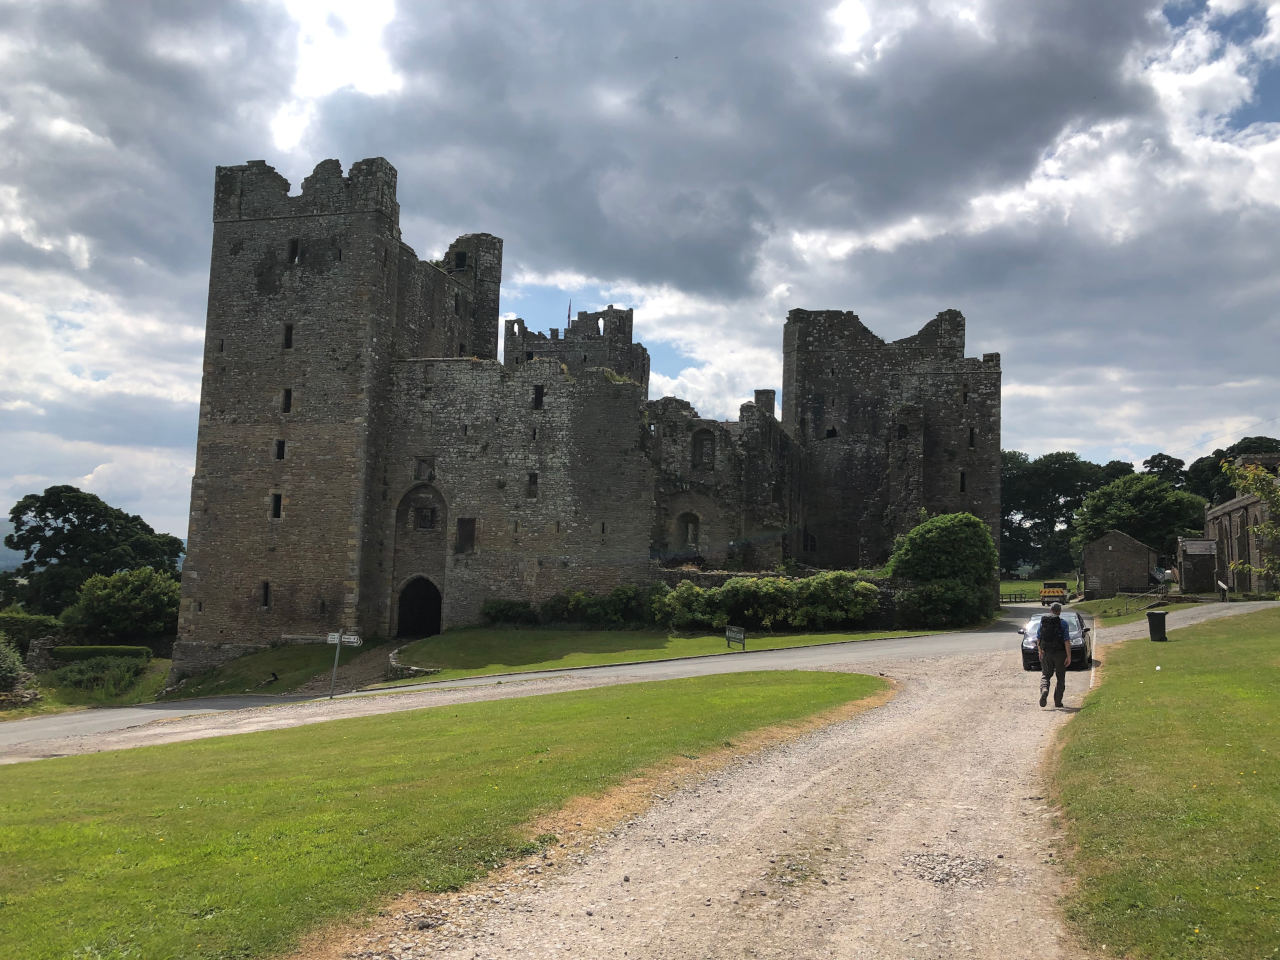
pixel 672 140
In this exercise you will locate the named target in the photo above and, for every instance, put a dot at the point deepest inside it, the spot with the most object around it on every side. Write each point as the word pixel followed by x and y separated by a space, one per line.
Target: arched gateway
pixel 419 609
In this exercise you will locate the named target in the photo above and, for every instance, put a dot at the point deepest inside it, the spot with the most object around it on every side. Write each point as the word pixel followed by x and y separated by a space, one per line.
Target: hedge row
pixel 625 606
pixel 825 601
pixel 22 628
pixel 88 653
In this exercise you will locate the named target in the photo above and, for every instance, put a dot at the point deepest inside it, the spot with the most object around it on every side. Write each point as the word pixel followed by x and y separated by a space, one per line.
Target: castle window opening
pixel 466 540
pixel 424 468
pixel 222 345
pixel 602 528
pixel 531 488
pixel 557 526
pixel 962 481
pixel 457 304
pixel 689 528
pixel 462 349
pixel 279 449
pixel 460 260
pixel 424 518
pixel 973 436
pixel 535 433
pixel 832 432
pixel 537 396
pixel 199 606
pixel 266 594
pixel 277 506
pixel 288 336
pixel 902 431
pixel 528 354
pixel 964 393
pixel 286 401
pixel 295 250
pixel 704 449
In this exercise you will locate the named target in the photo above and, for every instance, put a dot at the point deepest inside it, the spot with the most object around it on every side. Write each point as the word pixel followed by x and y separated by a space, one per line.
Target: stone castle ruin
pixel 365 462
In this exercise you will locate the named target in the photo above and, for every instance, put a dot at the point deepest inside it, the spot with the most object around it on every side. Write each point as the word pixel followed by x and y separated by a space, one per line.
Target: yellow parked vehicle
pixel 1053 591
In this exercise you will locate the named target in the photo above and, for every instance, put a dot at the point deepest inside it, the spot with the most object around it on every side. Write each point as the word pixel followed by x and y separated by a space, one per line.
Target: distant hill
pixel 9 559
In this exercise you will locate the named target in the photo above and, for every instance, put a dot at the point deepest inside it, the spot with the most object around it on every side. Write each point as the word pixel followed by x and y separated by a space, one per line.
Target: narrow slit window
pixel 973 436
pixel 466 542
pixel 222 345
pixel 266 594
pixel 962 481
pixel 602 528
pixel 295 250
pixel 457 304
pixel 535 433
pixel 279 449
pixel 286 401
pixel 531 488
pixel 537 396
pixel 462 349
pixel 288 336
pixel 277 506
pixel 964 393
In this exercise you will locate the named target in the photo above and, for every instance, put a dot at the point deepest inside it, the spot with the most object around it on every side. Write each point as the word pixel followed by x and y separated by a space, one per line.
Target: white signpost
pixel 338 641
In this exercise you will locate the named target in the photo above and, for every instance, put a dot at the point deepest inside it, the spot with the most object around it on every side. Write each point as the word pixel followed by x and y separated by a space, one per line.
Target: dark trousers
pixel 1053 662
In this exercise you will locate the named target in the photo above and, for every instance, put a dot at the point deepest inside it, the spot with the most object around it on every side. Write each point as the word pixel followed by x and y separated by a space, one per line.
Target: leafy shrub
pixel 89 653
pixel 516 612
pixel 132 605
pixel 109 675
pixel 942 603
pixel 22 627
pixel 12 673
pixel 954 546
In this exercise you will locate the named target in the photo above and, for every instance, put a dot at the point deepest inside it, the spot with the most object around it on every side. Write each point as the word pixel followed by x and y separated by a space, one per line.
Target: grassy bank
pixel 480 651
pixel 234 847
pixel 292 664
pixel 55 699
pixel 1170 780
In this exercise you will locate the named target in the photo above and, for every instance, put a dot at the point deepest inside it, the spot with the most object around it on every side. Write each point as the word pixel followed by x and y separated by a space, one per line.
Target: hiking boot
pixel 1044 697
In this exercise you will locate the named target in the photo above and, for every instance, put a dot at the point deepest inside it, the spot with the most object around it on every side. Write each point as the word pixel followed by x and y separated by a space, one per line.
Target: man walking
pixel 1055 654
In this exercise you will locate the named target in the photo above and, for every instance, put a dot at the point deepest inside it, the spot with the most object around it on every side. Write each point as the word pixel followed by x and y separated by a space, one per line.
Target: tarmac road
pixel 91 731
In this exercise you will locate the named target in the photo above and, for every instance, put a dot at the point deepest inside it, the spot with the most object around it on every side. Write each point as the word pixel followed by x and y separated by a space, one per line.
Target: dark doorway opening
pixel 419 609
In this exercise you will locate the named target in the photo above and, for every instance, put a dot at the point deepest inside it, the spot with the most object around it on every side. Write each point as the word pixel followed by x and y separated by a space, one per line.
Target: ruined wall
pixel 602 339
pixel 887 430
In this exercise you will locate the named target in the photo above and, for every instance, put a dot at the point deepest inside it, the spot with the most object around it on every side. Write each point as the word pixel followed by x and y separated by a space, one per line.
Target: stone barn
pixel 1117 563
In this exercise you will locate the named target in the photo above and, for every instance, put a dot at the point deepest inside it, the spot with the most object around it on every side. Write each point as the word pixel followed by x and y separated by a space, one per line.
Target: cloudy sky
pixel 1094 183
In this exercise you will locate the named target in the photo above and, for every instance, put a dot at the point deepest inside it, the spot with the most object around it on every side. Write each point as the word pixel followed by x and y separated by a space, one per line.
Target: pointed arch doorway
pixel 419 609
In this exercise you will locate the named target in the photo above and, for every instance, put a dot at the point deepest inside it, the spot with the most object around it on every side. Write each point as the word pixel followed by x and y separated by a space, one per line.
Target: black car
pixel 1081 641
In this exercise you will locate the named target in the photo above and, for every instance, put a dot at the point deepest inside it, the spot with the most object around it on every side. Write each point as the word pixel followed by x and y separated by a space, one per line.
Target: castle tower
pixel 301 316
pixel 887 430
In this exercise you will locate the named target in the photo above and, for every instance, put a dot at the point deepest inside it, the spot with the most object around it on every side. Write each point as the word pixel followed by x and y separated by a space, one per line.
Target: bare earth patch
pixel 918 830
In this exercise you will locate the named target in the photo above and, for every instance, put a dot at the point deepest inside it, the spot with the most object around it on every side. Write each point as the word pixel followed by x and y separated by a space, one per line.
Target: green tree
pixel 67 535
pixel 1251 479
pixel 132 606
pixel 1039 499
pixel 1143 506
pixel 1167 468
pixel 1205 476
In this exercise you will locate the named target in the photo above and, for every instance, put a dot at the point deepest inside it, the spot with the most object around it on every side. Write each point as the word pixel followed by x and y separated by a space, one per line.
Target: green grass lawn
pixel 293 664
pixel 235 847
pixel 1170 781
pixel 487 650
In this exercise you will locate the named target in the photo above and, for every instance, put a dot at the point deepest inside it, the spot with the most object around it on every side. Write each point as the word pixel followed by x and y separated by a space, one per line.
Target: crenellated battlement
pixel 256 191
